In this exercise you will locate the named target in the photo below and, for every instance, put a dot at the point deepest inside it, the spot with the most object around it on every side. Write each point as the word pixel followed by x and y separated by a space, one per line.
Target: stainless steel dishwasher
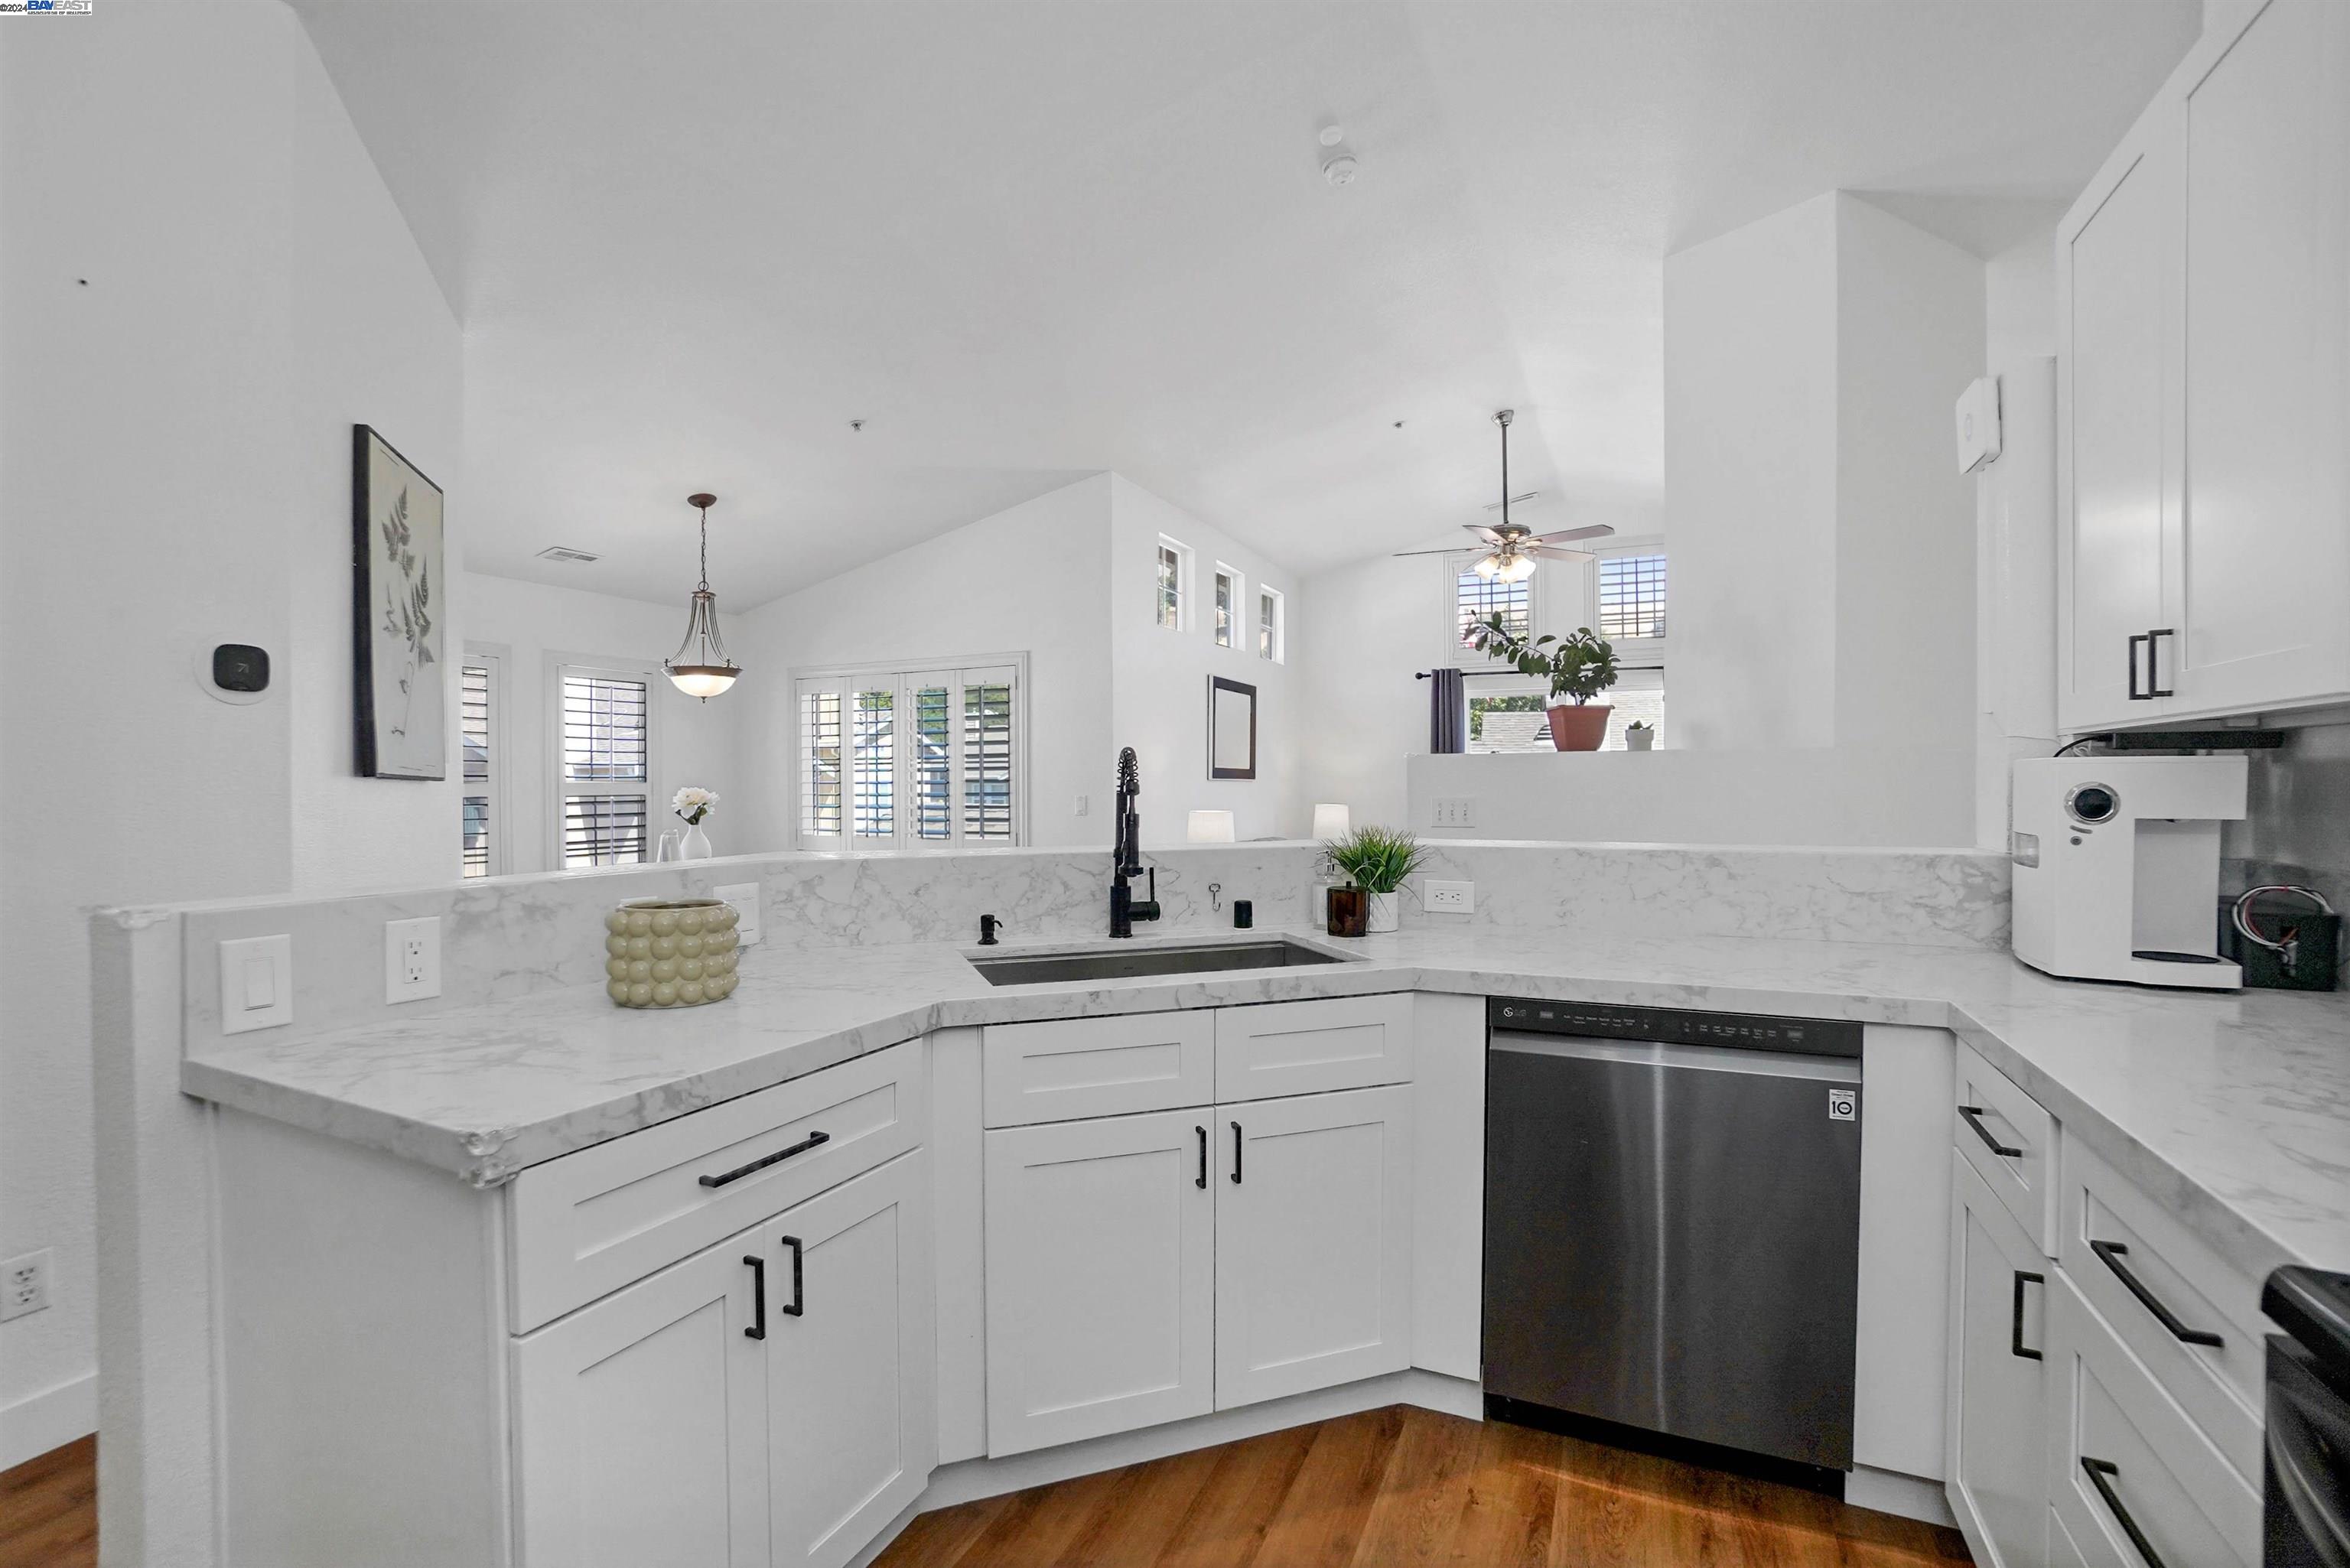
pixel 1672 1224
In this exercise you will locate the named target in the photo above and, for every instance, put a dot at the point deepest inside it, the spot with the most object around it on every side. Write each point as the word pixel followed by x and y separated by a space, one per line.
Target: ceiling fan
pixel 1514 549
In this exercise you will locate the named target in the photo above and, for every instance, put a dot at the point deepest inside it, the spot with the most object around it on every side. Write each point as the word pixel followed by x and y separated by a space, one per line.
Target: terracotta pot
pixel 1580 726
pixel 1350 908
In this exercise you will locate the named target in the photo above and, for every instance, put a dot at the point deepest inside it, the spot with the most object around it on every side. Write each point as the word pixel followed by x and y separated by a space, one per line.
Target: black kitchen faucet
pixel 1126 855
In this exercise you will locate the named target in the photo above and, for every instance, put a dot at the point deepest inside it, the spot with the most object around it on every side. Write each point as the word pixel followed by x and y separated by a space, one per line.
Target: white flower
pixel 694 803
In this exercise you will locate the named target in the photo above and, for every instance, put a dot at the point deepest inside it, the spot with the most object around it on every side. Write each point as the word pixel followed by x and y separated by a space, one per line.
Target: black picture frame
pixel 1240 692
pixel 398 642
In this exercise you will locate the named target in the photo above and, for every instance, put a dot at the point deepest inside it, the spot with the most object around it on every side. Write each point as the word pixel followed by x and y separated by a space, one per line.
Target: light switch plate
pixel 744 898
pixel 1455 811
pixel 256 983
pixel 412 959
pixel 1448 898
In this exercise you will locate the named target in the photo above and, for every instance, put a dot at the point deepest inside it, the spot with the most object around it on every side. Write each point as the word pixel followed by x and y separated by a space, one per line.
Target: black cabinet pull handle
pixel 2135 694
pixel 2154 660
pixel 813 1140
pixel 1974 1115
pixel 799 1286
pixel 1202 1182
pixel 1236 1154
pixel 758 1329
pixel 2111 1255
pixel 2098 1471
pixel 2015 1346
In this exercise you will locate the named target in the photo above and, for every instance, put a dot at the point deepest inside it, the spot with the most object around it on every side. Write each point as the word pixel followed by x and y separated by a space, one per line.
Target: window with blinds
pixel 1174 566
pixel 1632 595
pixel 481 853
pixel 604 775
pixel 910 759
pixel 1476 599
pixel 1228 607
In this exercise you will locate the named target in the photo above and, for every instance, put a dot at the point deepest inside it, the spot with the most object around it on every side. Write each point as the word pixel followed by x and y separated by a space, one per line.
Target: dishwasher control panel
pixel 1677 1026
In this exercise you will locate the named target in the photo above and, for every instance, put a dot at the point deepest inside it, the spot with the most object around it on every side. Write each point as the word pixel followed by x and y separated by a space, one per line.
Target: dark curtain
pixel 1448 712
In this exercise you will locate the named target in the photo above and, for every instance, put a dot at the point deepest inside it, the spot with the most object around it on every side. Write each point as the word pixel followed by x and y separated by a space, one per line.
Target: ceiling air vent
pixel 564 553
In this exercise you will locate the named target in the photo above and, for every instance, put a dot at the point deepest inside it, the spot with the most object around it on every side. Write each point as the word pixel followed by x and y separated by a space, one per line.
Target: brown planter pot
pixel 1350 910
pixel 1580 727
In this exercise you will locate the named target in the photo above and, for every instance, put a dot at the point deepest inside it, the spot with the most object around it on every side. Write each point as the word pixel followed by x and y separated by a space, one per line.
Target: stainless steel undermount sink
pixel 1145 960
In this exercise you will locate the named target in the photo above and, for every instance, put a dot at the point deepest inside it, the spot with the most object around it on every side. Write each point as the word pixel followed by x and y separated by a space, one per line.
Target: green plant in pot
pixel 1375 861
pixel 1639 735
pixel 1580 665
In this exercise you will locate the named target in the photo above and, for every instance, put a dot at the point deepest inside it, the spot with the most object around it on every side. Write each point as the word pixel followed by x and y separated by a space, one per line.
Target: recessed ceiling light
pixel 565 552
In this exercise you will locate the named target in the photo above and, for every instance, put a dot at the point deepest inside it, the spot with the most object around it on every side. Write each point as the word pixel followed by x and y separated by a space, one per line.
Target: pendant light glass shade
pixel 700 666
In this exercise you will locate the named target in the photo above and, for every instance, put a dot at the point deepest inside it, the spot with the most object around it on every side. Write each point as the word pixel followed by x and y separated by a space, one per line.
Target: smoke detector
pixel 1340 168
pixel 565 552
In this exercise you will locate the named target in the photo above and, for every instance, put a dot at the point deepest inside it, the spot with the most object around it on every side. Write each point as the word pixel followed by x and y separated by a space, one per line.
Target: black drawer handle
pixel 2098 1471
pixel 1974 1115
pixel 2015 1346
pixel 758 1329
pixel 2111 1255
pixel 2154 660
pixel 799 1286
pixel 1236 1154
pixel 813 1140
pixel 2135 694
pixel 1202 1182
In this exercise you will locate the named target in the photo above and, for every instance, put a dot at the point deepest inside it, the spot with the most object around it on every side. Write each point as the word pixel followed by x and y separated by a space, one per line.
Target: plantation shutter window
pixel 910 759
pixel 604 775
pixel 1632 596
pixel 481 845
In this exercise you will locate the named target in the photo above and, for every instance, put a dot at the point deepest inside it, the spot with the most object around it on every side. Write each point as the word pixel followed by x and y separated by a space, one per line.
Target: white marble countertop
pixel 2233 1109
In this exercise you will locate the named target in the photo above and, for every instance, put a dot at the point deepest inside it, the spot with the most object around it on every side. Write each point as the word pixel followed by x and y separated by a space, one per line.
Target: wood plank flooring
pixel 1397 1486
pixel 48 1510
pixel 1404 1486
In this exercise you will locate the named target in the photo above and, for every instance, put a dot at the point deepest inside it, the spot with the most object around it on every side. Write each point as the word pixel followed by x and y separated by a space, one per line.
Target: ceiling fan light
pixel 1486 565
pixel 1517 568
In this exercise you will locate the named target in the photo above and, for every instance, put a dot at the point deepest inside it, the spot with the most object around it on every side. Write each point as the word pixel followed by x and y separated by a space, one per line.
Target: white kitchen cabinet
pixel 2117 448
pixel 2204 387
pixel 850 1356
pixel 1306 1047
pixel 640 1424
pixel 1313 1232
pixel 1996 1451
pixel 1100 1276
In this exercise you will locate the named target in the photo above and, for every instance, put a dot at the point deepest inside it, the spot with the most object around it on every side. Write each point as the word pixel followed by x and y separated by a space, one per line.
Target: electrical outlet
pixel 1455 811
pixel 412 959
pixel 23 1285
pixel 745 898
pixel 1084 804
pixel 1447 897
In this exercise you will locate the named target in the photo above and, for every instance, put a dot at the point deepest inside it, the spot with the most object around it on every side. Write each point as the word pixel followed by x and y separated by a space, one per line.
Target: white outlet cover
pixel 1447 897
pixel 256 983
pixel 745 896
pixel 25 1284
pixel 399 984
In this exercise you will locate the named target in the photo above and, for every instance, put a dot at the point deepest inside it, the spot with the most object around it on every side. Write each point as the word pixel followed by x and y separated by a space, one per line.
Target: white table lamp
pixel 1331 822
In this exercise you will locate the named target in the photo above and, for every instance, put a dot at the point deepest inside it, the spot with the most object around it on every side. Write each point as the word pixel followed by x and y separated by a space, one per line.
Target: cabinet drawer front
pixel 1071 1067
pixel 2221 1385
pixel 1306 1047
pixel 2149 1469
pixel 2012 1144
pixel 589 1223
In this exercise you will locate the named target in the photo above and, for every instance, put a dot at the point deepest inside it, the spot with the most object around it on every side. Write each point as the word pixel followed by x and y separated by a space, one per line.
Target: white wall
pixel 1160 676
pixel 1751 350
pixel 204 281
pixel 1365 632
pixel 1031 580
pixel 535 627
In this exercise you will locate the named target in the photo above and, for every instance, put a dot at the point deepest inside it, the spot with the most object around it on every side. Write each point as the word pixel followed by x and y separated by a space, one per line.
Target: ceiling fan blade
pixel 1596 531
pixel 1553 552
pixel 1487 534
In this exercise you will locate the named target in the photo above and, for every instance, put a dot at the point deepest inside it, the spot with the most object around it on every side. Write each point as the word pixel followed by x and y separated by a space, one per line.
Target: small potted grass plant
pixel 1374 862
pixel 1639 735
pixel 1580 665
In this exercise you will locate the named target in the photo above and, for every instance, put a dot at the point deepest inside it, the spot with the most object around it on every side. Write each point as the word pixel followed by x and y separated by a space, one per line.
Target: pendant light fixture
pixel 700 666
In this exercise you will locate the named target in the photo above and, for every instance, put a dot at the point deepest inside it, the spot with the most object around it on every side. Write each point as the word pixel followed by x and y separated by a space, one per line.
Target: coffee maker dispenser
pixel 2117 866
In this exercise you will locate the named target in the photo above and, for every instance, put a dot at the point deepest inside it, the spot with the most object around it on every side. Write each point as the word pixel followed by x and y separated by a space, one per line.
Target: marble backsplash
pixel 510 936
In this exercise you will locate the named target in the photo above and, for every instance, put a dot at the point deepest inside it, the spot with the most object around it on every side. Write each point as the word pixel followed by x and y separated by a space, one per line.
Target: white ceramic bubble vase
pixel 1383 913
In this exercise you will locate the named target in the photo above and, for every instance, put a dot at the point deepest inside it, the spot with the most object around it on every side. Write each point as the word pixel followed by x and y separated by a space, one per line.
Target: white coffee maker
pixel 2117 866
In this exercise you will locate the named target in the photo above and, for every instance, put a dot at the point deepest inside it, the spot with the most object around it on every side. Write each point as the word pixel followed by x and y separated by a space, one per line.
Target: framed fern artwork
pixel 399 595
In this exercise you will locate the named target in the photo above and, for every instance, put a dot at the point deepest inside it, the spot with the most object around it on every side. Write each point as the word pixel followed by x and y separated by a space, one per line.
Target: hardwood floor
pixel 48 1510
pixel 1409 1486
pixel 1397 1486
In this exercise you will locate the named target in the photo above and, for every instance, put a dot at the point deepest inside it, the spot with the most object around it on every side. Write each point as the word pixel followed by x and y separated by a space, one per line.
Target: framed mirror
pixel 1231 728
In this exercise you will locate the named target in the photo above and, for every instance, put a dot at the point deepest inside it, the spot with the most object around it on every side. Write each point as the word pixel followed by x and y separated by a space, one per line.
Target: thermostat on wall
pixel 1978 424
pixel 234 671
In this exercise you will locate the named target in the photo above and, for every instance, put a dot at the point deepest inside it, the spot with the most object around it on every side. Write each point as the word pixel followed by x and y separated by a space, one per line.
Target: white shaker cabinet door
pixel 642 1424
pixel 1100 1277
pixel 2118 441
pixel 1314 1222
pixel 851 1357
pixel 1998 1398
pixel 2258 572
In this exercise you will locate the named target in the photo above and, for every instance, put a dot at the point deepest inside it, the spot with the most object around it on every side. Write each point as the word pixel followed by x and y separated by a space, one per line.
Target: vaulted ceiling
pixel 689 242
